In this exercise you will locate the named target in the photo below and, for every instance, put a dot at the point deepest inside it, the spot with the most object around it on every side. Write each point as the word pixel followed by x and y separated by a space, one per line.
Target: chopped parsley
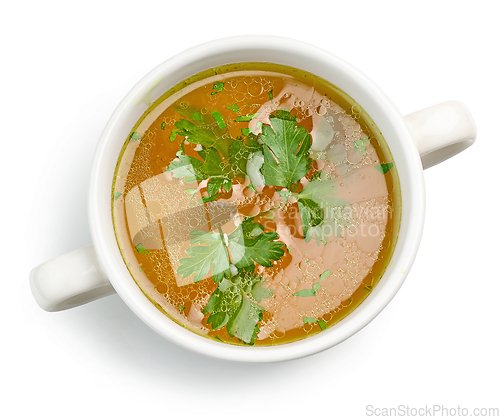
pixel 173 134
pixel 140 249
pixel 234 108
pixel 252 188
pixel 197 116
pixel 311 320
pixel 217 88
pixel 235 305
pixel 246 118
pixel 135 136
pixel 325 274
pixel 384 167
pixel 361 145
pixel 308 292
pixel 218 119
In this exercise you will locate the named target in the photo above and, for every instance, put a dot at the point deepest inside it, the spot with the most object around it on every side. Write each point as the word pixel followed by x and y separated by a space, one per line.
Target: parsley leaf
pixel 249 245
pixel 173 134
pixel 135 136
pixel 205 257
pixel 309 292
pixel 240 152
pixel 325 193
pixel 246 118
pixel 361 144
pixel 309 320
pixel 218 157
pixel 234 108
pixel 316 204
pixel 218 119
pixel 252 188
pixel 197 117
pixel 286 155
pixel 217 87
pixel 311 214
pixel 325 274
pixel 234 304
pixel 141 248
pixel 192 169
pixel 384 167
pixel 205 133
pixel 196 134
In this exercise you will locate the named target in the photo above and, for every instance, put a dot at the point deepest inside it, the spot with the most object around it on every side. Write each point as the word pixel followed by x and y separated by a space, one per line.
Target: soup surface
pixel 256 204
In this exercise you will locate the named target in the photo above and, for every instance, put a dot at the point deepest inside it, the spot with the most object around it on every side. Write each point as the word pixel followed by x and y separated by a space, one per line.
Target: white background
pixel 64 68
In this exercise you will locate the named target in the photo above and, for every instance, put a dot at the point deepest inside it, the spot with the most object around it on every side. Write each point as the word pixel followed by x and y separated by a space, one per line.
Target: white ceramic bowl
pixel 83 275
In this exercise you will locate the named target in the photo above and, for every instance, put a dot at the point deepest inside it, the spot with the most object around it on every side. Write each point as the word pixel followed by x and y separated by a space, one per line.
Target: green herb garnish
pixel 311 320
pixel 217 88
pixel 217 158
pixel 384 167
pixel 325 274
pixel 201 135
pixel 163 125
pixel 173 134
pixel 361 145
pixel 311 214
pixel 197 116
pixel 233 107
pixel 252 188
pixel 286 157
pixel 270 93
pixel 135 136
pixel 308 292
pixel 246 118
pixel 117 195
pixel 140 249
pixel 248 245
pixel 218 119
pixel 234 305
pixel 211 256
pixel 181 308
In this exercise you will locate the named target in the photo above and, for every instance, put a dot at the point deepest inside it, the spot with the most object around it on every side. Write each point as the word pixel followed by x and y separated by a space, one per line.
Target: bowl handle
pixel 70 280
pixel 441 131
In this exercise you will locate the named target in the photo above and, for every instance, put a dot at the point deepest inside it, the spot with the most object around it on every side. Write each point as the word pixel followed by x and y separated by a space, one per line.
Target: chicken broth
pixel 256 204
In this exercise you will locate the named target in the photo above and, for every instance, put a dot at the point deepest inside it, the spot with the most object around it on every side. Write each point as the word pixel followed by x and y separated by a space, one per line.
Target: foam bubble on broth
pixel 332 232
